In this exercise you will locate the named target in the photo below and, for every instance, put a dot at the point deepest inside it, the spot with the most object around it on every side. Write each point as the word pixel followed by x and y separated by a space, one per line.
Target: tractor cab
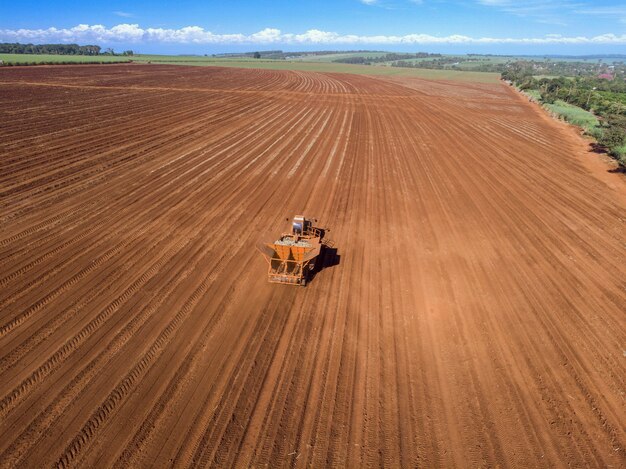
pixel 300 226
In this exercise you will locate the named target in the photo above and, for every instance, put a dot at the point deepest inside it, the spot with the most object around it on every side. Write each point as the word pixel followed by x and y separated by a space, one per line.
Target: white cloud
pixel 607 12
pixel 602 11
pixel 369 2
pixel 494 2
pixel 542 11
pixel 557 8
pixel 123 14
pixel 133 33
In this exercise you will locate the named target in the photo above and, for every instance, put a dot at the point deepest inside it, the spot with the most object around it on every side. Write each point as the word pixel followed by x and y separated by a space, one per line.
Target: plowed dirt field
pixel 473 315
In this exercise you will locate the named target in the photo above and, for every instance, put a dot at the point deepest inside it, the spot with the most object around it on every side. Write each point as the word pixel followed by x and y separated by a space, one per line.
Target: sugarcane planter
pixel 292 257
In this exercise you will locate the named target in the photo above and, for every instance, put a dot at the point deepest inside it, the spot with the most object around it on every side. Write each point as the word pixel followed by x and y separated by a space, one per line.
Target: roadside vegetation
pixel 575 115
pixel 596 103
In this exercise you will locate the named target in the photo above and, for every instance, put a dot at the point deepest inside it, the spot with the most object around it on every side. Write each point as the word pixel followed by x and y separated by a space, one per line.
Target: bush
pixel 619 153
pixel 595 132
pixel 613 137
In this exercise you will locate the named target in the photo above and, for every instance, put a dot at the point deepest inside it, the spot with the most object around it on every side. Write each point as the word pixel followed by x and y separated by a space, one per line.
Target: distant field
pixel 415 60
pixel 576 59
pixel 474 62
pixel 26 59
pixel 507 58
pixel 464 71
pixel 551 77
pixel 187 59
pixel 465 65
pixel 331 57
pixel 320 66
pixel 325 65
pixel 477 60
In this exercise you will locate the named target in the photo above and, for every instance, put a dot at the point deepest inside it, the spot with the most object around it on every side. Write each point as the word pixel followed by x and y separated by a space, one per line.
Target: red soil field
pixel 476 315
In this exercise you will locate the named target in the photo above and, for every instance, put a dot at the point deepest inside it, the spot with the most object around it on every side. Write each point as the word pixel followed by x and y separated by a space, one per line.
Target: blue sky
pixel 192 26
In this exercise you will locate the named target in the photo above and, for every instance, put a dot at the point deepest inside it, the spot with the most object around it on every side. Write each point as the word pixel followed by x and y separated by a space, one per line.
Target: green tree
pixel 613 137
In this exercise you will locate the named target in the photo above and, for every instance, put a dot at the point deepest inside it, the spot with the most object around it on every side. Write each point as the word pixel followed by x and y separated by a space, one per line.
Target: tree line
pixel 58 49
pixel 54 49
pixel 485 63
pixel 384 58
pixel 604 98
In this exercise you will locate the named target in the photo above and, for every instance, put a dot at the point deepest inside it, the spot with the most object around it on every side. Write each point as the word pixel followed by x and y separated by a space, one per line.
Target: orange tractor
pixel 292 257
